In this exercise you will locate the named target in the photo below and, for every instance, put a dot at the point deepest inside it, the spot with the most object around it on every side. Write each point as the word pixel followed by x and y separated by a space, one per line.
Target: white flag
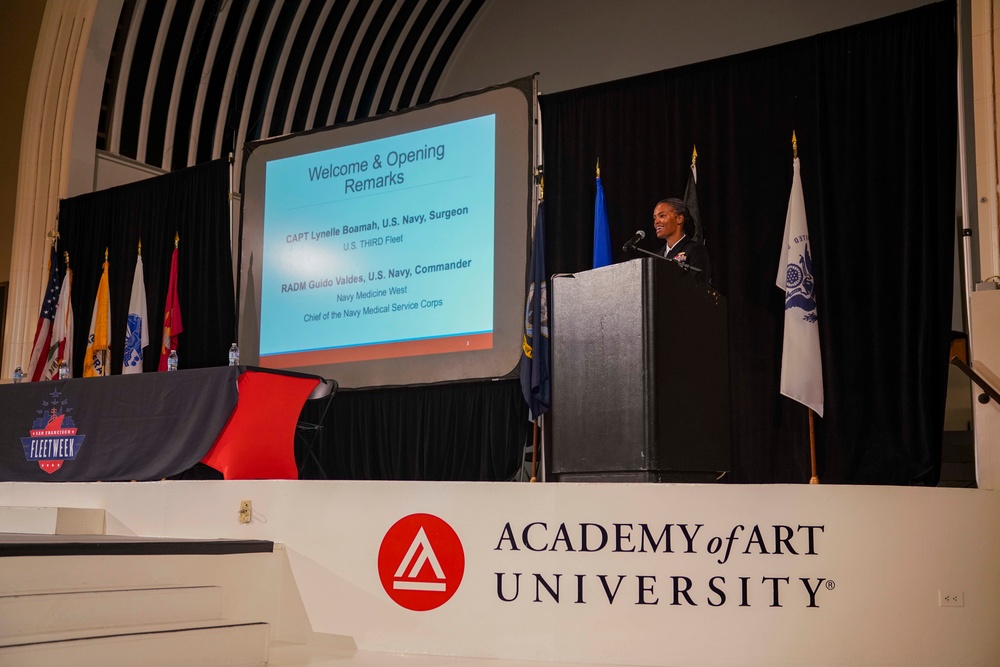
pixel 136 330
pixel 801 365
pixel 62 331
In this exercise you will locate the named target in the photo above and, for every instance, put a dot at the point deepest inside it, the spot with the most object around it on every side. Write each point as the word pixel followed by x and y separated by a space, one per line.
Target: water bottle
pixel 172 361
pixel 234 355
pixel 63 370
pixel 18 374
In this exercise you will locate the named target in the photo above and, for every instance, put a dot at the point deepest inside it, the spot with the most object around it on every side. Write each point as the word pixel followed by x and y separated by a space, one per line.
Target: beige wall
pixel 19 25
pixel 884 555
pixel 985 23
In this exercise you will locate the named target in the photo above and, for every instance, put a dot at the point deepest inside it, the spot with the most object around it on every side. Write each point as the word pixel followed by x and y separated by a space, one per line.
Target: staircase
pixel 93 599
pixel 958 457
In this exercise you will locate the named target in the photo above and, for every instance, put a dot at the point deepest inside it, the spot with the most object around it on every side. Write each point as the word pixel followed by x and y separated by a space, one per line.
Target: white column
pixel 47 140
pixel 984 306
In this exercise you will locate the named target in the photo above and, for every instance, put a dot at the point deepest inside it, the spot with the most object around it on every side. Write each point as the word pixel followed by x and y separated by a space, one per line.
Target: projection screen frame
pixel 516 161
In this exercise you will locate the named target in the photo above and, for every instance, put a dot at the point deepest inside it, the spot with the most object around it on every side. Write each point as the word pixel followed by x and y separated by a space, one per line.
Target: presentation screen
pixel 391 251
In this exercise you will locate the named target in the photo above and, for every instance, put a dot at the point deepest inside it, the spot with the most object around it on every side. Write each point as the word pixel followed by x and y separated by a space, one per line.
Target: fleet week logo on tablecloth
pixel 421 562
pixel 800 287
pixel 53 438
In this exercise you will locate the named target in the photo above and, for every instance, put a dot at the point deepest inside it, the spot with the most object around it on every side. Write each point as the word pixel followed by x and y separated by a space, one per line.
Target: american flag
pixel 43 332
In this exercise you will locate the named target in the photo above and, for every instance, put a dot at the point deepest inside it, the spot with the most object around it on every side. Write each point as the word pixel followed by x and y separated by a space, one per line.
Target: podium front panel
pixel 640 376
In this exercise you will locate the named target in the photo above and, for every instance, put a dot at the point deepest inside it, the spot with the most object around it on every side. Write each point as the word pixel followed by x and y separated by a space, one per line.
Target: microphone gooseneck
pixel 638 236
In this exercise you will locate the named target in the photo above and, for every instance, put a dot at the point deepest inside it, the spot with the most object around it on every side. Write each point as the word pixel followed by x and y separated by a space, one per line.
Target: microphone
pixel 638 236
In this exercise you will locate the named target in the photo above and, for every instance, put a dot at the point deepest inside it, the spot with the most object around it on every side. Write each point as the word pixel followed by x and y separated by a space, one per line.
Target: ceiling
pixel 189 80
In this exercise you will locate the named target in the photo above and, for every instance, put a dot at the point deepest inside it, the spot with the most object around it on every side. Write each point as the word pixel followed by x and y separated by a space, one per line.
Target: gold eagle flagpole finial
pixel 105 254
pixel 66 257
pixel 140 246
pixel 598 167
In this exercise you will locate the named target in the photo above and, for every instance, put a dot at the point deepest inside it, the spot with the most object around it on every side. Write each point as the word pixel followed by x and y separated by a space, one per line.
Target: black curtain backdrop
pixel 193 203
pixel 874 109
pixel 471 431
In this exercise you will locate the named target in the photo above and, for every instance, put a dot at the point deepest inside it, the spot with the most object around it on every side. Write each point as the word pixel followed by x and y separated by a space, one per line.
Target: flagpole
pixel 534 422
pixel 540 180
pixel 534 449
pixel 814 479
pixel 67 349
pixel 812 446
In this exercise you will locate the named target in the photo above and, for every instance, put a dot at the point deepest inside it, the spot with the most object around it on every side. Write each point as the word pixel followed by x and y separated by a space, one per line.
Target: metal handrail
pixel 988 391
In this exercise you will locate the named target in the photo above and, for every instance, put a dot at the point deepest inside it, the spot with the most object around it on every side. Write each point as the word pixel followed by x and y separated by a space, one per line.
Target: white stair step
pixel 55 574
pixel 52 520
pixel 208 645
pixel 38 613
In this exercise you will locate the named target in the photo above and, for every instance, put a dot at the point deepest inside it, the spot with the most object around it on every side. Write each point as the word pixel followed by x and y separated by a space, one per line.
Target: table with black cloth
pixel 238 420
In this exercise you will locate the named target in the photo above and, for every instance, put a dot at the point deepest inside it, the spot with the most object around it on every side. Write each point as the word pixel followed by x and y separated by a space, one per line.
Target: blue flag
pixel 535 341
pixel 602 234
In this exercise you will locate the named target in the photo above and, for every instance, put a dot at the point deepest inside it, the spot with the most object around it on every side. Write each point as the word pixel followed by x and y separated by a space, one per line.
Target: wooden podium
pixel 640 376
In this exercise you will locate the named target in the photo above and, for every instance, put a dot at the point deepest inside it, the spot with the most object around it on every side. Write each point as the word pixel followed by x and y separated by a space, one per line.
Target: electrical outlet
pixel 246 511
pixel 951 599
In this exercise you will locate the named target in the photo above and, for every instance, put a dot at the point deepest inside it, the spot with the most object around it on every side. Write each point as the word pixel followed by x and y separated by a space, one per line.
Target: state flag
pixel 98 355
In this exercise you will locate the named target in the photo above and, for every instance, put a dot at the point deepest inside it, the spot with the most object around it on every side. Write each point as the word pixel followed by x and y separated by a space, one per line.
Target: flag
pixel 691 199
pixel 137 328
pixel 172 325
pixel 602 234
pixel 43 332
pixel 801 365
pixel 535 340
pixel 95 362
pixel 61 348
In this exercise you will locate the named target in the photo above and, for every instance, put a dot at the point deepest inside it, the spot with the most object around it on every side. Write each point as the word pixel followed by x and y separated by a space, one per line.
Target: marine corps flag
pixel 95 362
pixel 535 340
pixel 801 365
pixel 172 325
